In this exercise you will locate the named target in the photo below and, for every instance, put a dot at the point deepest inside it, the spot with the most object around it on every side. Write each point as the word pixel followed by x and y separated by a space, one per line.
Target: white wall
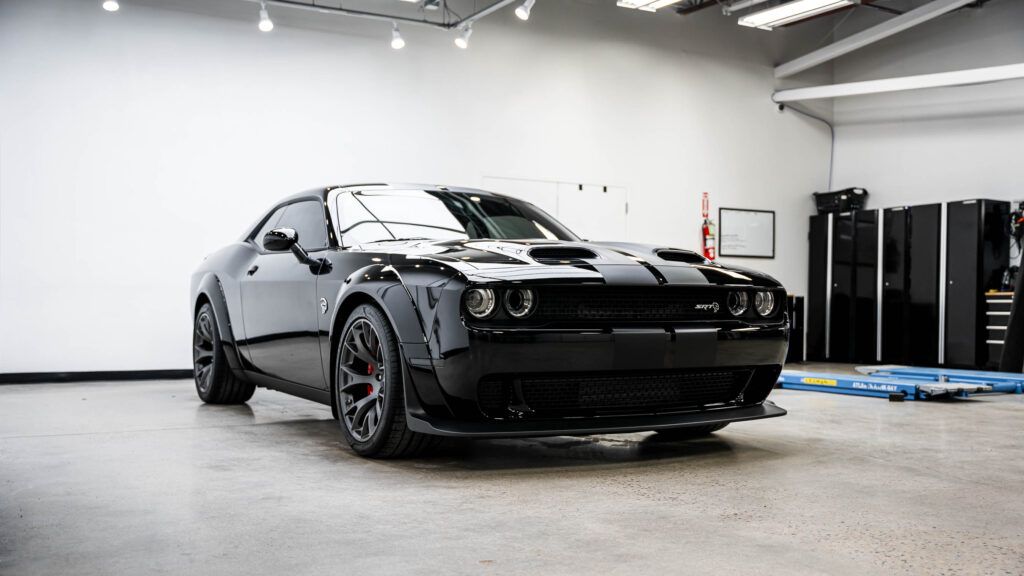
pixel 131 144
pixel 942 144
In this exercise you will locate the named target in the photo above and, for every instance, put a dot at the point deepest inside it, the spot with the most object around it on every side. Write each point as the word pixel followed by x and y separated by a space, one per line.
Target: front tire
pixel 215 382
pixel 369 391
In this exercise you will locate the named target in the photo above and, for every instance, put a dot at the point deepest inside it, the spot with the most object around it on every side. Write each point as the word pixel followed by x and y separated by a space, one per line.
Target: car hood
pixel 487 261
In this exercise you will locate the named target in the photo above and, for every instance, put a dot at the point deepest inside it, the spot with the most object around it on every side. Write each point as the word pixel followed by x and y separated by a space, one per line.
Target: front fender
pixel 209 288
pixel 383 285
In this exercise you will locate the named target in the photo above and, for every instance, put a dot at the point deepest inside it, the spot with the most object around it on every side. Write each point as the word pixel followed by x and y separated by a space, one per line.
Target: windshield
pixel 371 216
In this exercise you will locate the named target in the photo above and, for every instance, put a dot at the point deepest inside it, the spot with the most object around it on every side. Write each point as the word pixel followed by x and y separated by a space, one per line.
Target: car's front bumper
pixel 596 425
pixel 446 394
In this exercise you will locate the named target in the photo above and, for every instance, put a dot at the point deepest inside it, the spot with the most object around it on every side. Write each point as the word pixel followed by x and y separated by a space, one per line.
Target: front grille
pixel 594 394
pixel 661 303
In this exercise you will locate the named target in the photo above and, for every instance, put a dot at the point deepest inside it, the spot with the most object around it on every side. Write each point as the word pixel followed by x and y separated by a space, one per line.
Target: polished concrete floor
pixel 141 478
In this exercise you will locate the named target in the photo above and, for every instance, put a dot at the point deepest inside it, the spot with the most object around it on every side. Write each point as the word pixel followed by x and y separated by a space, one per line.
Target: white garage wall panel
pixel 940 144
pixel 591 211
pixel 134 143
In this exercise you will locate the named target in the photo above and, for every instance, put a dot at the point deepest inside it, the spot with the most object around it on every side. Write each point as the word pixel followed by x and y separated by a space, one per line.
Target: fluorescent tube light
pixel 791 12
pixel 645 5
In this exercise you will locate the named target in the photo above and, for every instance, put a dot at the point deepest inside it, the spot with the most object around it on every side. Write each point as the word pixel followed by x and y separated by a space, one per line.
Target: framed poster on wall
pixel 746 233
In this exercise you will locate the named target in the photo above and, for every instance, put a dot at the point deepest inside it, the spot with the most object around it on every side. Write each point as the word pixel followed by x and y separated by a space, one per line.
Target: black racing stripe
pixel 650 267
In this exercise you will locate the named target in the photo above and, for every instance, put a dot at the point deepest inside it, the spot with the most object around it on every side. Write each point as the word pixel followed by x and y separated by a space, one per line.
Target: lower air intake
pixel 594 394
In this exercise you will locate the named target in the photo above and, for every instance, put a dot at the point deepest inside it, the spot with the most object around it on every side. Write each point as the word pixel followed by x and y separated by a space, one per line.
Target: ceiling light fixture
pixel 111 5
pixel 523 11
pixel 266 24
pixel 462 40
pixel 791 12
pixel 645 5
pixel 397 42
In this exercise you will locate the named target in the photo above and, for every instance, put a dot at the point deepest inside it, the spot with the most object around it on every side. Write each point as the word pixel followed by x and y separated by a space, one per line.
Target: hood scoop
pixel 561 254
pixel 675 255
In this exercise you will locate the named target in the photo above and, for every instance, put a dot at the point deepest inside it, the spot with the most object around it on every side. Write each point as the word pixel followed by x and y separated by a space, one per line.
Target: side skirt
pixel 306 392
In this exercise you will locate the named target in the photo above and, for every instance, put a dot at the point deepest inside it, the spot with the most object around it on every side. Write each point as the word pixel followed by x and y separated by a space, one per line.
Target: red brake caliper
pixel 369 372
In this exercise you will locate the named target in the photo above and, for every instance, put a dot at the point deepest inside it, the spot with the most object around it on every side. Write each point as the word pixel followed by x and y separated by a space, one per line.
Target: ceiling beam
pixel 446 25
pixel 695 7
pixel 888 28
pixel 939 80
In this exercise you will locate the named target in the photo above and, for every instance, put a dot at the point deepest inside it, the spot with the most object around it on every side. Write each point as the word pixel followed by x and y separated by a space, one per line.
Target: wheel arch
pixel 210 291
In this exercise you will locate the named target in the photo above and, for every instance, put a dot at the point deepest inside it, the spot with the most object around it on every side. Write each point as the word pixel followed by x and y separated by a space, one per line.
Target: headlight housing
pixel 520 302
pixel 480 302
pixel 764 303
pixel 737 303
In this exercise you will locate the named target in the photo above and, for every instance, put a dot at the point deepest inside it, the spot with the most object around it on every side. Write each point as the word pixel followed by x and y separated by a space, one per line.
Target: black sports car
pixel 425 311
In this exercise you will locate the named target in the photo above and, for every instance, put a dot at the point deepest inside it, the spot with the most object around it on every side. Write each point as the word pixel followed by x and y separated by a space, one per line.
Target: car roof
pixel 324 191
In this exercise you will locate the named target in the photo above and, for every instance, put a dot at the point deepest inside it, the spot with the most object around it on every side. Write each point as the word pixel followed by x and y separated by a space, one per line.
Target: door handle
pixel 253 270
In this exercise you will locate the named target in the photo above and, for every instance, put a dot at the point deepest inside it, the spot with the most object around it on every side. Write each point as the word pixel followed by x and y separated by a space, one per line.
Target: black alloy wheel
pixel 365 380
pixel 216 383
pixel 204 355
pixel 369 393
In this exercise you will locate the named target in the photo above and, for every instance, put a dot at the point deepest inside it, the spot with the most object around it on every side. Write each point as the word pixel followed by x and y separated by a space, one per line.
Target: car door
pixel 279 301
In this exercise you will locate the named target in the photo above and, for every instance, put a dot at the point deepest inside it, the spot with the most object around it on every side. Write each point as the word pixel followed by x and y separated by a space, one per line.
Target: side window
pixel 269 225
pixel 307 218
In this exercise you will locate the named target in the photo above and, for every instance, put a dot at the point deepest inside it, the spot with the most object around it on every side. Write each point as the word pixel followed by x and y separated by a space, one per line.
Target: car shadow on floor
pixel 574 451
pixel 535 453
pixel 602 450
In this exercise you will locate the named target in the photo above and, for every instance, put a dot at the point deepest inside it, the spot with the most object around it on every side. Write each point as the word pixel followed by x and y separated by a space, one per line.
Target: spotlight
pixel 397 42
pixel 111 5
pixel 523 12
pixel 462 40
pixel 266 24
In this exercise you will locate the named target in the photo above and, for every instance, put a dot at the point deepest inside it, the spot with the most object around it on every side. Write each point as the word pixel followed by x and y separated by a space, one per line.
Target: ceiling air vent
pixel 560 254
pixel 674 255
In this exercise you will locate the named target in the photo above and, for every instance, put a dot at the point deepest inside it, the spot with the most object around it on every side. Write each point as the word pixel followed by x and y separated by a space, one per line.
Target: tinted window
pixel 393 214
pixel 269 225
pixel 307 219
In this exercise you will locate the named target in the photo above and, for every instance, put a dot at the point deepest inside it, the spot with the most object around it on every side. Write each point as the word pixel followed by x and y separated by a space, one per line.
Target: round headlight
pixel 737 303
pixel 764 303
pixel 480 302
pixel 519 302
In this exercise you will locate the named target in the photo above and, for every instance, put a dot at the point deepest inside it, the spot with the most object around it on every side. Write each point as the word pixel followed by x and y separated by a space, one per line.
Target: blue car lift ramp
pixel 1004 382
pixel 893 388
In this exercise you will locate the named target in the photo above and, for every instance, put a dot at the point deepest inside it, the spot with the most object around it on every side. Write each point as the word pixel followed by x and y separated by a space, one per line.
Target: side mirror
pixel 287 240
pixel 280 239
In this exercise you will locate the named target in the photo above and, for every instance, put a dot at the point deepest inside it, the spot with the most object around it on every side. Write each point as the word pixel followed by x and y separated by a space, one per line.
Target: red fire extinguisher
pixel 707 229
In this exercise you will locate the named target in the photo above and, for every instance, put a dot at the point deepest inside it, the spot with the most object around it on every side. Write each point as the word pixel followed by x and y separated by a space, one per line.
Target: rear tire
pixel 216 383
pixel 689 432
pixel 369 389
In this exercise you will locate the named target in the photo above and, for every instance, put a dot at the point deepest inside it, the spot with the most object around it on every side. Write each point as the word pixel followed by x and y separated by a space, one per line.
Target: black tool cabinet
pixel 846 314
pixel 911 237
pixel 844 287
pixel 817 287
pixel 977 254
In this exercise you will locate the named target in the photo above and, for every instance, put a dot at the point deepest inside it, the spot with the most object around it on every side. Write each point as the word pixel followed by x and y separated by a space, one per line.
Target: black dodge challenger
pixel 424 311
